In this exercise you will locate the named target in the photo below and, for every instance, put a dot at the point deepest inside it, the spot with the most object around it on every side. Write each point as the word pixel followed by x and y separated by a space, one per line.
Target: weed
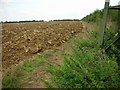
pixel 13 78
pixel 84 69
pixel 32 65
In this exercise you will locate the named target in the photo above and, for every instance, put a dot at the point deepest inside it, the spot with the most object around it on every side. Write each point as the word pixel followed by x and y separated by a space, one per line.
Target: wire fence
pixel 0 56
pixel 103 26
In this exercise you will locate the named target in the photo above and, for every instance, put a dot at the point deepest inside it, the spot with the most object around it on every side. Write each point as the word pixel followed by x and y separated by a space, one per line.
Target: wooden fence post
pixel 119 18
pixel 104 22
pixel 0 56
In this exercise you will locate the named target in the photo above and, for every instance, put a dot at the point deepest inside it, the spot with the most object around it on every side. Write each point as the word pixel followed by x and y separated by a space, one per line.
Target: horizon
pixel 28 10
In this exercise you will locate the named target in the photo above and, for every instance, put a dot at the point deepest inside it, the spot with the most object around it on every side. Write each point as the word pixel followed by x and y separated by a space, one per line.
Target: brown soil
pixel 40 75
pixel 22 40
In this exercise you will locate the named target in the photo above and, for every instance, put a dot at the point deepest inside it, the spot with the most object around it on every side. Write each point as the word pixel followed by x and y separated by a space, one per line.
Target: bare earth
pixel 22 40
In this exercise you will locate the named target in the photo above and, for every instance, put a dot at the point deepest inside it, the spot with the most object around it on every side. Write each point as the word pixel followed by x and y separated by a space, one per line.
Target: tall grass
pixel 83 68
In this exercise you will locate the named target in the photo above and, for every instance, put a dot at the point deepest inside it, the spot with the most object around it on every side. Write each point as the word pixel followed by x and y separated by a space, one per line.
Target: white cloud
pixel 6 1
pixel 49 9
pixel 119 3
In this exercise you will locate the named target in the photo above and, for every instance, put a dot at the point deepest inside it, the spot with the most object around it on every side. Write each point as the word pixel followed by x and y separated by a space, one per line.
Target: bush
pixel 96 16
pixel 83 68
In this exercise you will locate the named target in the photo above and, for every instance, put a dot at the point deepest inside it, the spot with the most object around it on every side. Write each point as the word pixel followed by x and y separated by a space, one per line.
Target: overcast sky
pixel 16 10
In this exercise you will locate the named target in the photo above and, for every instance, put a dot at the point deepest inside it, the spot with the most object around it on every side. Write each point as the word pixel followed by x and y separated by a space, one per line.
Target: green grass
pixel 83 68
pixel 13 78
pixel 32 65
pixel 49 53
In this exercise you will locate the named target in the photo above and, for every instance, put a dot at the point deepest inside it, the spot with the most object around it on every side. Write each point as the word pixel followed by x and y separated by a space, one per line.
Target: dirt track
pixel 22 40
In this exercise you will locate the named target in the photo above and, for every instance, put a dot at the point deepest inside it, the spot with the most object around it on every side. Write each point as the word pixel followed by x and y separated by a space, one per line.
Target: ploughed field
pixel 22 40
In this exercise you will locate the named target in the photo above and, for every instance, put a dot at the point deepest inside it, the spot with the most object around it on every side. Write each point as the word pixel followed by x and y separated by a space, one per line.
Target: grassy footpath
pixel 29 72
pixel 17 77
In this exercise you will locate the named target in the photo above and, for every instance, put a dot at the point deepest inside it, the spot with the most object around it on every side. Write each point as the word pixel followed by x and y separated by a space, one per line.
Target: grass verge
pixel 13 79
pixel 83 67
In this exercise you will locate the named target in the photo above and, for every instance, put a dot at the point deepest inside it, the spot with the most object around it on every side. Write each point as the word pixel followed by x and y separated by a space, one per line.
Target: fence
pixel 0 56
pixel 106 7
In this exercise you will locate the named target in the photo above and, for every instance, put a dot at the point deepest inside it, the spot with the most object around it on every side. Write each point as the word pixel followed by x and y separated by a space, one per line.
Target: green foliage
pixel 113 14
pixel 32 65
pixel 13 78
pixel 96 16
pixel 112 26
pixel 84 69
pixel 66 20
pixel 22 21
pixel 110 34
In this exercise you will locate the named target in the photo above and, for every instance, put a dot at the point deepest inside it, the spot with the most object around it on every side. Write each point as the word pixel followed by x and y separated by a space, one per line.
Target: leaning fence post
pixel 104 22
pixel 119 18
pixel 0 56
